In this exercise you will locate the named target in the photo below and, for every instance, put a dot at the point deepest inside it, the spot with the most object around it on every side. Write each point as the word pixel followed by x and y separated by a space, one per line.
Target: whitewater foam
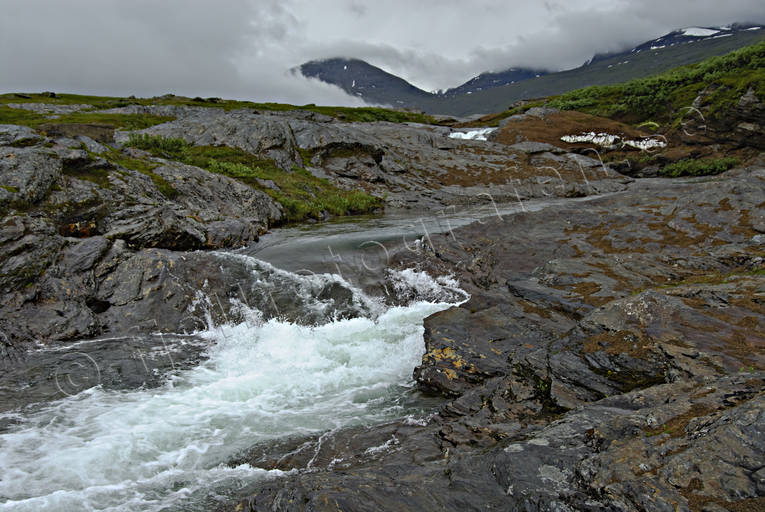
pixel 479 134
pixel 166 448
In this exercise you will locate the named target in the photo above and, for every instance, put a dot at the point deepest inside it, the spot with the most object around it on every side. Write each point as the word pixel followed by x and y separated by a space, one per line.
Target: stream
pixel 149 423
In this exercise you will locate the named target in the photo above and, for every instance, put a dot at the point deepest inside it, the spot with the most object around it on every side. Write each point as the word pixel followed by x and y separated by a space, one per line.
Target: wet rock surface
pixel 611 357
pixel 121 363
pixel 94 247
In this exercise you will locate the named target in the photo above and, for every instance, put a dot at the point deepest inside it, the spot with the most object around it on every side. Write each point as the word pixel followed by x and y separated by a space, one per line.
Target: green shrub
pixel 157 143
pixel 661 97
pixel 703 167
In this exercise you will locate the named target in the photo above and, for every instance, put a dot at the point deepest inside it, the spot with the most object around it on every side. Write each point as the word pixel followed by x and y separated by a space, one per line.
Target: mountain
pixel 496 91
pixel 368 82
pixel 377 86
pixel 490 80
pixel 637 62
pixel 681 36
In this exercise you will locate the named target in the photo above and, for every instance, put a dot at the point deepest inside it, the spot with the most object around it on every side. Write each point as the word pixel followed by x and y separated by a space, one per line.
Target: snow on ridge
pixel 699 32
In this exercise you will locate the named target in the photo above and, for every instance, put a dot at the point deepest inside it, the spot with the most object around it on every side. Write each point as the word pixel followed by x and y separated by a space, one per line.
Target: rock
pixel 411 166
pixel 29 247
pixel 95 131
pixel 147 226
pixel 268 184
pixel 27 174
pixel 741 125
pixel 214 198
pixel 11 134
pixel 156 290
pixel 609 356
pixel 535 147
pixel 229 233
pixel 599 457
pixel 603 361
pixel 541 112
pixel 83 255
pixel 260 134
pixel 511 119
pixel 71 220
pixel 747 118
pixel 91 145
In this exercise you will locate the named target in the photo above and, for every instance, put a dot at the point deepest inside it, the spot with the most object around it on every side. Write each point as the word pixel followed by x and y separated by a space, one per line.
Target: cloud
pixel 143 47
pixel 245 48
pixel 497 35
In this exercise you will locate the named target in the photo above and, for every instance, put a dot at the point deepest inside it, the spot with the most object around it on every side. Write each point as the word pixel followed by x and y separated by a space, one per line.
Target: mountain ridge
pixel 495 91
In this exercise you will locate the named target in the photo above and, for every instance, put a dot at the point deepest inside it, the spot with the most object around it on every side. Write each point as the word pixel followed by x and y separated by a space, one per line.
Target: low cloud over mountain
pixel 245 48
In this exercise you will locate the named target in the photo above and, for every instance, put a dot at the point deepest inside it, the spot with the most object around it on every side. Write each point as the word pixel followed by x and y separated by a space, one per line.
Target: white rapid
pixel 166 448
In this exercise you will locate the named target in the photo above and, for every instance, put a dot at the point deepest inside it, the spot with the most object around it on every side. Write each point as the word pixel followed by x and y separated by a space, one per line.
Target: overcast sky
pixel 245 48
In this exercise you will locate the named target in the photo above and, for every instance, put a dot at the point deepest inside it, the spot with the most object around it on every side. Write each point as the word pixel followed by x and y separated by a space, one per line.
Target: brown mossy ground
pixel 680 146
pixel 556 125
pixel 500 167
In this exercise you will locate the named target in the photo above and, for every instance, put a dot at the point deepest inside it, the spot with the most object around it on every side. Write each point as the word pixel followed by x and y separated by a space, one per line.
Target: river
pixel 150 423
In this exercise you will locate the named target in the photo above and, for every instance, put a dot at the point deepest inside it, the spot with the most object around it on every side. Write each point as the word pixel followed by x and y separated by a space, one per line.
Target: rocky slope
pixel 95 234
pixel 611 357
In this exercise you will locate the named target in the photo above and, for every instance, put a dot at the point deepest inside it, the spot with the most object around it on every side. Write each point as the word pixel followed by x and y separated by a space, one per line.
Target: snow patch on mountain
pixel 699 32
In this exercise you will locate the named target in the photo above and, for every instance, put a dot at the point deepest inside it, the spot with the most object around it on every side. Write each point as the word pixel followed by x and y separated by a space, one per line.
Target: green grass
pixel 19 116
pixel 350 114
pixel 700 167
pixel 97 175
pixel 23 117
pixel 124 121
pixel 24 143
pixel 301 194
pixel 665 97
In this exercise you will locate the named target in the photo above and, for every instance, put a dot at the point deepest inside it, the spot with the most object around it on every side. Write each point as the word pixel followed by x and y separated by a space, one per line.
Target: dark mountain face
pixel 370 83
pixel 490 80
pixel 495 91
pixel 377 86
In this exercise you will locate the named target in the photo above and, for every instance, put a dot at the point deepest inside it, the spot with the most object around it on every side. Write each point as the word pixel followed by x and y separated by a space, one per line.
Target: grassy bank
pixel 302 194
pixel 665 97
pixel 9 115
